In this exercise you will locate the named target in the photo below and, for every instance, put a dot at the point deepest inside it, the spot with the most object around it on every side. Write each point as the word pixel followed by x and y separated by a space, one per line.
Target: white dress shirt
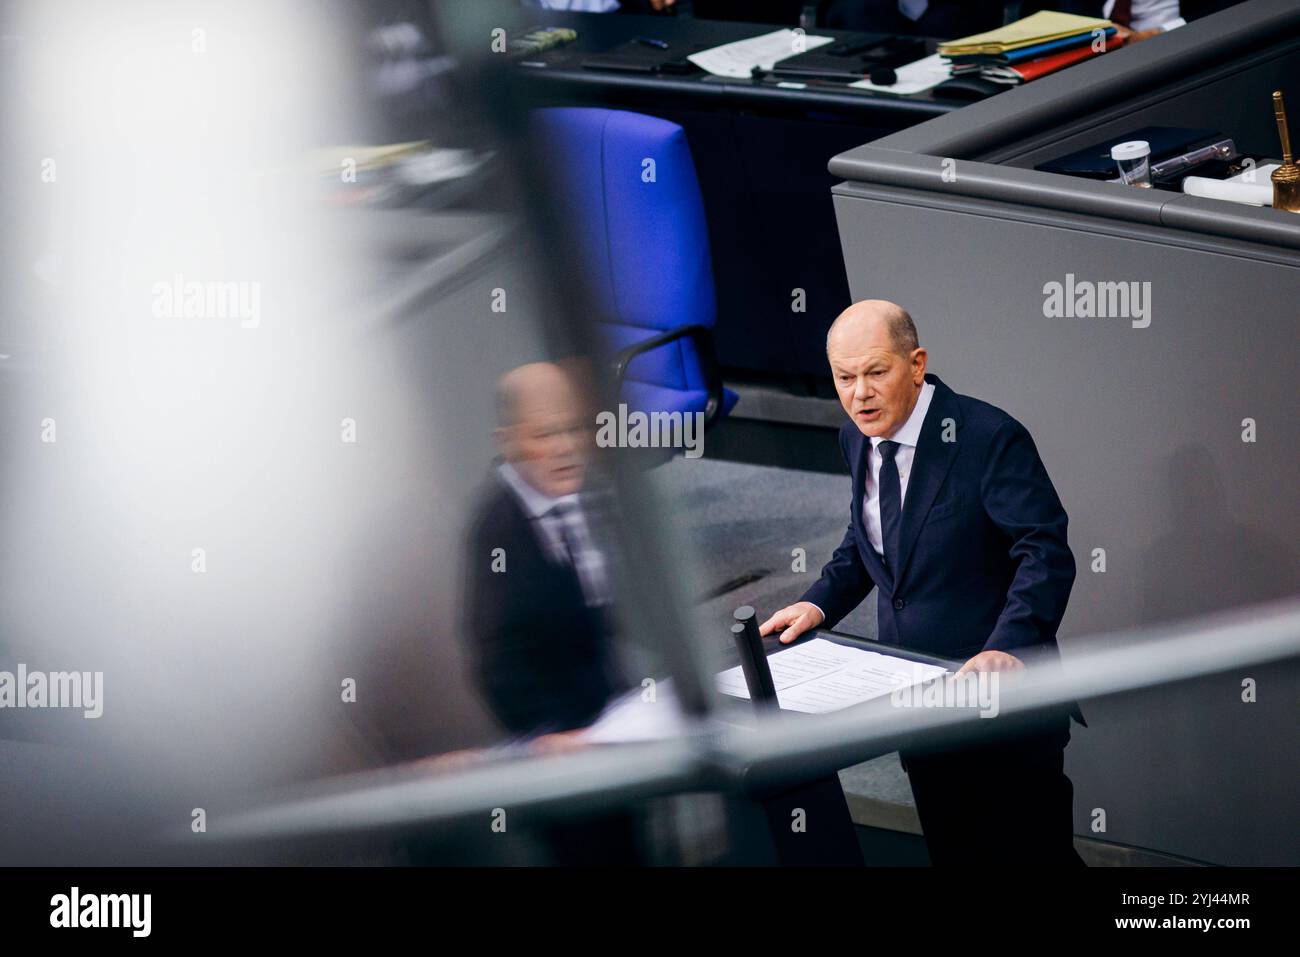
pixel 579 6
pixel 906 437
pixel 1151 14
pixel 913 9
pixel 554 517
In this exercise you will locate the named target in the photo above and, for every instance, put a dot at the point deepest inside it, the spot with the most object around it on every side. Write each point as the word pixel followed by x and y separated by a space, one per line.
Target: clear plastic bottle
pixel 1134 161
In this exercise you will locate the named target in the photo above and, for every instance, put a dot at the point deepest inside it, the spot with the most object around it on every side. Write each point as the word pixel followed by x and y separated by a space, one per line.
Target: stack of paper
pixel 738 60
pixel 814 677
pixel 912 77
pixel 1030 48
pixel 819 676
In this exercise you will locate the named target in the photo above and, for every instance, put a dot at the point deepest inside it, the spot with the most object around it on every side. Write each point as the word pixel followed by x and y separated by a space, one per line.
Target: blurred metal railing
pixel 717 755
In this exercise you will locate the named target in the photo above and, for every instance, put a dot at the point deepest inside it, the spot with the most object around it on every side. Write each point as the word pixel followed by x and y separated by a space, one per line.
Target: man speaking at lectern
pixel 955 523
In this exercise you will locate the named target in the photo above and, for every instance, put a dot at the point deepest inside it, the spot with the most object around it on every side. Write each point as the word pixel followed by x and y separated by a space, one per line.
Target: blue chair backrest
pixel 626 183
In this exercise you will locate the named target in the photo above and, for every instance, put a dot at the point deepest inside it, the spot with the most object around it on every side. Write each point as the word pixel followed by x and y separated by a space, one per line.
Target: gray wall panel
pixel 1141 431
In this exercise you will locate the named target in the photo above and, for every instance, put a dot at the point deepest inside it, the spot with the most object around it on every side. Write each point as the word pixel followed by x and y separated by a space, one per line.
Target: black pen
pixel 652 42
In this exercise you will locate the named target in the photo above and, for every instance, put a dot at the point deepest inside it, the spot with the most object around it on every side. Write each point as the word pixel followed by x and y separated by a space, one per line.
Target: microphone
pixel 883 76
pixel 753 661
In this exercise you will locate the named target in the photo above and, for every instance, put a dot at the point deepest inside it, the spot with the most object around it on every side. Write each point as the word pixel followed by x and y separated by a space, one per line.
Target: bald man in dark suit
pixel 955 524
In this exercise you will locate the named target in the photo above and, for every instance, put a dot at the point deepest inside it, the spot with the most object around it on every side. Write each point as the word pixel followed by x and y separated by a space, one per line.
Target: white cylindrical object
pixel 1252 194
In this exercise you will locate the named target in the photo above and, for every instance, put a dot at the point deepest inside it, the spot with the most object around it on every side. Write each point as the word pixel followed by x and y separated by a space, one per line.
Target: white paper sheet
pixel 814 677
pixel 819 676
pixel 633 718
pixel 737 60
pixel 913 77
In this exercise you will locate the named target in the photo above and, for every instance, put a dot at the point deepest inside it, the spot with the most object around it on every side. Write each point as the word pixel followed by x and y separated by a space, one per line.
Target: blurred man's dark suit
pixel 541 657
pixel 982 563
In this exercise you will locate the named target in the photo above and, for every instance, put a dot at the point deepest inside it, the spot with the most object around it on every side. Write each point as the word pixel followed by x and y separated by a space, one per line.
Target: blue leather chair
pixel 646 248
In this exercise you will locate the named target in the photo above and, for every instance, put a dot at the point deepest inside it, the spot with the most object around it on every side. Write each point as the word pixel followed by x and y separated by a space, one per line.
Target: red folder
pixel 1033 69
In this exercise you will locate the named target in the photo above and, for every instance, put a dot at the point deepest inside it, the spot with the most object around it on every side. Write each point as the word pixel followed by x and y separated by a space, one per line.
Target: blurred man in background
pixel 537 591
pixel 537 601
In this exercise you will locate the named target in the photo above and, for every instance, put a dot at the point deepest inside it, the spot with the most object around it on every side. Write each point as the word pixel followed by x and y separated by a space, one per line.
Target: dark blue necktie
pixel 891 503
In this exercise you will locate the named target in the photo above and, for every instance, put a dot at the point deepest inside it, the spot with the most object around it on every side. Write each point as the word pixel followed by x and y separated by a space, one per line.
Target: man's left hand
pixel 992 661
pixel 1133 36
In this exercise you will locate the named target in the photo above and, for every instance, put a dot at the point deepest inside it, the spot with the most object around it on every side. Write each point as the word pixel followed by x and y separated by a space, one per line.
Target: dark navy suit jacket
pixel 983 559
pixel 542 660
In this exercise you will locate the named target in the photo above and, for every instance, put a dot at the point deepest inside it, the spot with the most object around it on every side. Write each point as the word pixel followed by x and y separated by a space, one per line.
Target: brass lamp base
pixel 1286 188
pixel 1286 178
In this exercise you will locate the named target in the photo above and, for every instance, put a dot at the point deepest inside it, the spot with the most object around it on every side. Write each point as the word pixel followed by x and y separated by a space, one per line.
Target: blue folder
pixel 1033 52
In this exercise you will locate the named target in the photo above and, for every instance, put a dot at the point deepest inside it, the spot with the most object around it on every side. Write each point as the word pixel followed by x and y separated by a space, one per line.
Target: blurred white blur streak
pixel 173 511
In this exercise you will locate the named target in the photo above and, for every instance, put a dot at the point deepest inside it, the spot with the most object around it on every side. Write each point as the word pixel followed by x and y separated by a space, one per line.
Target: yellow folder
pixel 1040 28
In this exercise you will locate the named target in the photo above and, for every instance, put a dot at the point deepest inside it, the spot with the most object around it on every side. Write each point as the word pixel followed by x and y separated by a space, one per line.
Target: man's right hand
pixel 795 619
